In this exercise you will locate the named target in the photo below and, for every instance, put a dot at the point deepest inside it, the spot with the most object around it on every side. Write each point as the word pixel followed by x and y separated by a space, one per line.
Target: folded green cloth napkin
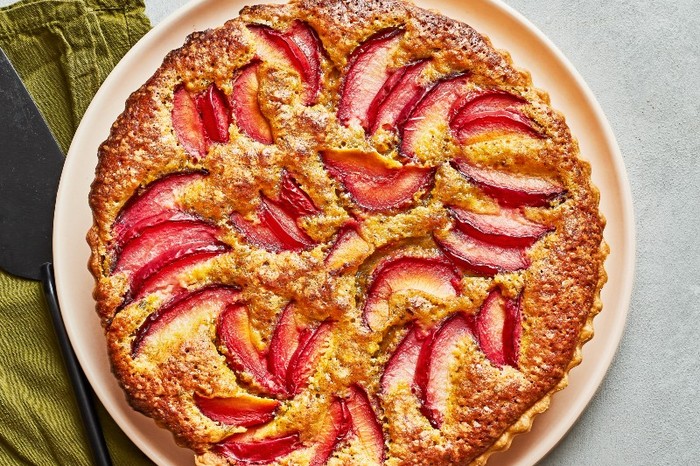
pixel 63 50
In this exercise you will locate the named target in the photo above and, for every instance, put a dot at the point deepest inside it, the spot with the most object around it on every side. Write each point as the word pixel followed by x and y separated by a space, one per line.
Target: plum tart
pixel 343 232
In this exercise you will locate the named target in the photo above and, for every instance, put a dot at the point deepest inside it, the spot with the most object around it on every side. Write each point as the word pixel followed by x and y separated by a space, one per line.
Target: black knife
pixel 31 168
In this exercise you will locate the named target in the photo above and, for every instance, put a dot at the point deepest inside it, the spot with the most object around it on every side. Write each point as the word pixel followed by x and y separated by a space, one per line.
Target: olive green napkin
pixel 63 50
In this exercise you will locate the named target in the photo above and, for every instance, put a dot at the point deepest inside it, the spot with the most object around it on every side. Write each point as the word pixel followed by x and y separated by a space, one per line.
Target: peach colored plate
pixel 508 30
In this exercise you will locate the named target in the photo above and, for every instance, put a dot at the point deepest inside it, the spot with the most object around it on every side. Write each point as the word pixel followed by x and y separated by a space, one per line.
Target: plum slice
pixel 336 425
pixel 284 226
pixel 494 121
pixel 213 107
pixel 508 228
pixel 276 231
pixel 365 425
pixel 367 71
pixel 431 115
pixel 157 203
pixel 165 242
pixel 291 357
pixel 294 199
pixel 207 302
pixel 303 363
pixel 298 50
pixel 483 100
pixel 286 339
pixel 234 332
pixel 434 276
pixel 167 279
pixel 490 110
pixel 278 228
pixel 349 248
pixel 510 189
pixel 401 368
pixel 201 119
pixel 258 234
pixel 498 329
pixel 247 449
pixel 188 123
pixel 480 257
pixel 435 360
pixel 277 46
pixel 242 410
pixel 397 98
pixel 295 349
pixel 305 37
pixel 374 183
pixel 245 105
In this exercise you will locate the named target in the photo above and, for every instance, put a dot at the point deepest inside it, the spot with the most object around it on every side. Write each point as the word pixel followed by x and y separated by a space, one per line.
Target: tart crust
pixel 560 290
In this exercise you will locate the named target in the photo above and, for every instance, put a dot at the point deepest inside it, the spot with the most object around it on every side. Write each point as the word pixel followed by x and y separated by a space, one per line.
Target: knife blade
pixel 32 164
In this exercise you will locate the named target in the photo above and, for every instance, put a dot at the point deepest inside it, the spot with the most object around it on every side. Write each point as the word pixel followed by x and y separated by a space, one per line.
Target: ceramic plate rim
pixel 73 218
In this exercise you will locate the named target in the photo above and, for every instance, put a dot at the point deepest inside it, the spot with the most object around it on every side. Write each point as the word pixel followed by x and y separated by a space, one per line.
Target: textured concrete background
pixel 641 59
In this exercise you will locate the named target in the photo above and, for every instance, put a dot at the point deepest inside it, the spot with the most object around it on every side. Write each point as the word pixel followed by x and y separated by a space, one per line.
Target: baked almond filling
pixel 343 233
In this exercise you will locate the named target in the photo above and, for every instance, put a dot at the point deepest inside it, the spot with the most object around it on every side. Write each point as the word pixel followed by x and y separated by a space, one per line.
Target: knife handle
pixel 83 392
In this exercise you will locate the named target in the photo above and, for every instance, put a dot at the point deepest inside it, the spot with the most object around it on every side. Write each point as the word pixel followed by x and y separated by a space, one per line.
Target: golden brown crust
pixel 560 290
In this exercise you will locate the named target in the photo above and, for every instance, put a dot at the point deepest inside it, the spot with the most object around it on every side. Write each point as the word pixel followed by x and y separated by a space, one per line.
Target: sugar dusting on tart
pixel 342 233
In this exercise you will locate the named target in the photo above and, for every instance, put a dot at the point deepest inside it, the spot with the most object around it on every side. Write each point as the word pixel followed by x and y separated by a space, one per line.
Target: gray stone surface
pixel 641 59
pixel 157 10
